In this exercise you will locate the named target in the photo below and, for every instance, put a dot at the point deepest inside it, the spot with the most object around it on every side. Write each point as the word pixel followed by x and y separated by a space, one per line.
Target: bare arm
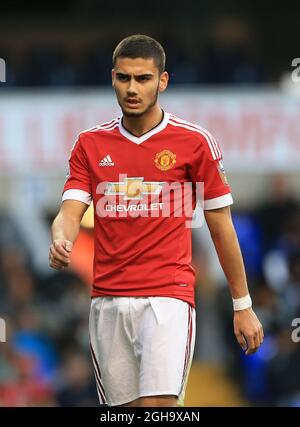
pixel 64 231
pixel 227 246
pixel 247 328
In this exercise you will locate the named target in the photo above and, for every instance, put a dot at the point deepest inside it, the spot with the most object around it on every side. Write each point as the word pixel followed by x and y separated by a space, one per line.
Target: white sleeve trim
pixel 80 195
pixel 218 202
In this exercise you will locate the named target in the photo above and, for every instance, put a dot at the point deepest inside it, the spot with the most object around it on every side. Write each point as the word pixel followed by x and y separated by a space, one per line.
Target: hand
pixel 248 330
pixel 59 255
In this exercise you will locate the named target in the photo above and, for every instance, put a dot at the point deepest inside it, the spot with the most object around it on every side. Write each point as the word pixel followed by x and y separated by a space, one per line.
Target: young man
pixel 142 319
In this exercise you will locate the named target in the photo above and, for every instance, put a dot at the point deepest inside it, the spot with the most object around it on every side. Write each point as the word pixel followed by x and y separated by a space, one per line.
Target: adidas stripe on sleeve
pixel 207 166
pixel 78 184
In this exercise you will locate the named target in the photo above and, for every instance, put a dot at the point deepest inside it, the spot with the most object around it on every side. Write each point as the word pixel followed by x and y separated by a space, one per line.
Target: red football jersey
pixel 140 187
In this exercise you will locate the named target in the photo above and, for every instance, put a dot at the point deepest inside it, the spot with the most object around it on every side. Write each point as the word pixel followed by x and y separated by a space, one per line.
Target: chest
pixel 156 159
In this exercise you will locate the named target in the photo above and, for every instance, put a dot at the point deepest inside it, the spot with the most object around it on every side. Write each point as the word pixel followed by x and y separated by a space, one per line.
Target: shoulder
pixel 199 135
pixel 81 143
pixel 98 129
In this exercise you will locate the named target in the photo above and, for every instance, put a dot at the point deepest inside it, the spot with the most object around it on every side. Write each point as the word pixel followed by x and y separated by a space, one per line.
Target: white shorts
pixel 141 346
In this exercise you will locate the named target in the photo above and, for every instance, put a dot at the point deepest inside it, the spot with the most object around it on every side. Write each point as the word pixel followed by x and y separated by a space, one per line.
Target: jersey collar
pixel 147 135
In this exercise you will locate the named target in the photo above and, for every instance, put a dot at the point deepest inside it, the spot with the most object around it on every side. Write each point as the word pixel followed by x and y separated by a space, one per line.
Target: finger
pixel 61 249
pixel 57 255
pixel 241 340
pixel 56 266
pixel 58 261
pixel 261 336
pixel 251 345
pixel 68 246
pixel 257 340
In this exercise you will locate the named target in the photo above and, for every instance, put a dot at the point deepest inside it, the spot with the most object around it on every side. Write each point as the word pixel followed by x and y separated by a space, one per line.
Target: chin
pixel 132 113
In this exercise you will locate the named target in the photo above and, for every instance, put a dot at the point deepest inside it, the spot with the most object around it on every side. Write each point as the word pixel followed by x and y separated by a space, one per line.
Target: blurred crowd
pixel 226 55
pixel 46 360
pixel 52 67
pixel 269 237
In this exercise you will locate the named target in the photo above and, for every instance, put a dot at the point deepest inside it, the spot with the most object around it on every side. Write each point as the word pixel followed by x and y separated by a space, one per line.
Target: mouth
pixel 132 102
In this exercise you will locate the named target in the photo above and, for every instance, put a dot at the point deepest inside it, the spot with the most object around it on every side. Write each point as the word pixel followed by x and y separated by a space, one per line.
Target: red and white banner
pixel 257 130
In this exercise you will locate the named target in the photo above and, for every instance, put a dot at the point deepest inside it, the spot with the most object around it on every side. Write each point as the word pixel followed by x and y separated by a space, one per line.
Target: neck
pixel 140 125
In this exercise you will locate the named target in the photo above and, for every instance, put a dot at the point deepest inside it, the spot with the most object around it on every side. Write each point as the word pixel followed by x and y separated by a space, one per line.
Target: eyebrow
pixel 136 75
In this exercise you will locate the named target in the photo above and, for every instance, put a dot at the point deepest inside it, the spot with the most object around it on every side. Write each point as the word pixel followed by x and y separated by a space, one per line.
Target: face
pixel 137 83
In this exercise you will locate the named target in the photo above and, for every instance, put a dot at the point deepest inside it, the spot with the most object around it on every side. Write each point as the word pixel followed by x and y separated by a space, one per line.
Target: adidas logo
pixel 107 161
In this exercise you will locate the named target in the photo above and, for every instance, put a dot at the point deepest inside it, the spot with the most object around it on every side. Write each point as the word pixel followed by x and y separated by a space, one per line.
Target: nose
pixel 131 90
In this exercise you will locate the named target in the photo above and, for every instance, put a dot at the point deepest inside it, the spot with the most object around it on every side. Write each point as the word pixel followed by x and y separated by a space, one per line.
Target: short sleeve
pixel 207 168
pixel 78 183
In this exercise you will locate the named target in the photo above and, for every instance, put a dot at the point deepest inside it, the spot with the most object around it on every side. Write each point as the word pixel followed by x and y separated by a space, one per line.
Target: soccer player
pixel 142 317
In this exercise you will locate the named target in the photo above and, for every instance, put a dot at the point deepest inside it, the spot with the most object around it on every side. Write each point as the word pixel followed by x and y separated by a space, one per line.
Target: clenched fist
pixel 248 330
pixel 59 255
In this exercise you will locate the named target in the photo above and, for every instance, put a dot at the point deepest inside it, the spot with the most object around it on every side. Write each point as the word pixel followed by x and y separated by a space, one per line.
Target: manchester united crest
pixel 165 160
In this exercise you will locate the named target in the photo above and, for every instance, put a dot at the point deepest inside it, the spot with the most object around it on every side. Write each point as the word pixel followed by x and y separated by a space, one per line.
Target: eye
pixel 122 77
pixel 143 78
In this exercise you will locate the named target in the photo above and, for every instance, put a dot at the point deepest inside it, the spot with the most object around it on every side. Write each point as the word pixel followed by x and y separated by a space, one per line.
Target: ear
pixel 113 75
pixel 163 81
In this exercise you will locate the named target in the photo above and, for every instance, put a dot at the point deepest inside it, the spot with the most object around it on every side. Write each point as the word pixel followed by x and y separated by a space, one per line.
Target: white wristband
pixel 242 303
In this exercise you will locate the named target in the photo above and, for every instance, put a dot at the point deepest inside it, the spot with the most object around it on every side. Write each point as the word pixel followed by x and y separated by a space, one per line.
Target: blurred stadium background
pixel 230 68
